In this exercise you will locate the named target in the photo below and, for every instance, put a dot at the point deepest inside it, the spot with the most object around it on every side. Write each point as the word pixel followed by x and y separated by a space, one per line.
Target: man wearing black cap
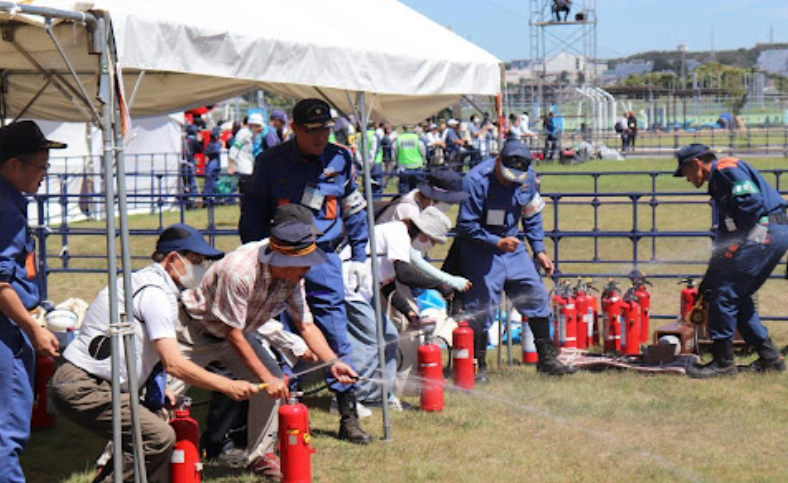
pixel 504 192
pixel 751 237
pixel 24 161
pixel 317 175
pixel 83 387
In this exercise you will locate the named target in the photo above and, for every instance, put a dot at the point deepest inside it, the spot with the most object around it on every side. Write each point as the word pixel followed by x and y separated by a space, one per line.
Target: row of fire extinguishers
pixel 625 315
pixel 294 439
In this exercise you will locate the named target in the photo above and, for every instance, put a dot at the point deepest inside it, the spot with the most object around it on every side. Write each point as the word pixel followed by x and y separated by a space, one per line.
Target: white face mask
pixel 421 246
pixel 193 275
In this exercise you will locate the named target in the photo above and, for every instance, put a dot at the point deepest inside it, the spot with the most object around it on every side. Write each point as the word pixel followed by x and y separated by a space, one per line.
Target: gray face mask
pixel 442 206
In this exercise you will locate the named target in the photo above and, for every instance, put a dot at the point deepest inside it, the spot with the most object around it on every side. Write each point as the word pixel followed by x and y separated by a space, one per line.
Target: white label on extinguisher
pixel 292 440
pixel 588 319
pixel 622 329
pixel 562 328
pixel 178 456
pixel 461 353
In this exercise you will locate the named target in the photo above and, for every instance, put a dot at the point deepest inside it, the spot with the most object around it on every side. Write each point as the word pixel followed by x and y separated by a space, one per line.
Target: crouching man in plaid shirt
pixel 248 287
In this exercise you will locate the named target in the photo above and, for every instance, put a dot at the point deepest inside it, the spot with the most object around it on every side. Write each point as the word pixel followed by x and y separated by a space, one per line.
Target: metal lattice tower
pixel 550 38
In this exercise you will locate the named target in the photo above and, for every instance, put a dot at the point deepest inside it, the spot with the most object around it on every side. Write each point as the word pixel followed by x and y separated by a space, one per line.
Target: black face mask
pixel 517 163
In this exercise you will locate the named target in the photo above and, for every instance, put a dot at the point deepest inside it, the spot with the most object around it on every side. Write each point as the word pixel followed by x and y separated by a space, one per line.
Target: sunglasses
pixel 517 163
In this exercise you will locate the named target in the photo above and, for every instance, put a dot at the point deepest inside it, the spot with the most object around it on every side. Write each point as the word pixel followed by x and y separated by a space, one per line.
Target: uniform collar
pixel 158 268
pixel 711 176
pixel 16 196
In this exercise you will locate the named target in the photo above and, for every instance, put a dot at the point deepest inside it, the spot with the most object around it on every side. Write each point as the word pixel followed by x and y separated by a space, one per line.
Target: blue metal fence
pixel 635 221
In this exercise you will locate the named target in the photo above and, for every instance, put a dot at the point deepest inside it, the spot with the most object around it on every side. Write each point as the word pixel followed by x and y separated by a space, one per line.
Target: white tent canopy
pixel 196 52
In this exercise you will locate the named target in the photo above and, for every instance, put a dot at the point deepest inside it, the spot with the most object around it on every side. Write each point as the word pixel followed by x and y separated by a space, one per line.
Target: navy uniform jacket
pixel 476 223
pixel 17 247
pixel 741 198
pixel 283 175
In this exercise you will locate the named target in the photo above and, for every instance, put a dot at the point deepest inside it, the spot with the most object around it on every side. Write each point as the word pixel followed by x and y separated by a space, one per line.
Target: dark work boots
pixel 548 363
pixel 769 359
pixel 723 363
pixel 349 427
pixel 480 353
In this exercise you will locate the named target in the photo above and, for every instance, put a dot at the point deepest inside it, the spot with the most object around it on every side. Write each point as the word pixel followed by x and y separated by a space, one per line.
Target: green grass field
pixel 609 427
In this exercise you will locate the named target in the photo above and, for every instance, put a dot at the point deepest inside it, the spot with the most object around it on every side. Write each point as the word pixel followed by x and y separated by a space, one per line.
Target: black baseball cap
pixel 686 154
pixel 312 113
pixel 180 237
pixel 444 185
pixel 292 242
pixel 515 160
pixel 24 137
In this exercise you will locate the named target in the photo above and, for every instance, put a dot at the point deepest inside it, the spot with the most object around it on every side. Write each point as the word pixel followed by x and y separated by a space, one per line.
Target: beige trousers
pixel 197 345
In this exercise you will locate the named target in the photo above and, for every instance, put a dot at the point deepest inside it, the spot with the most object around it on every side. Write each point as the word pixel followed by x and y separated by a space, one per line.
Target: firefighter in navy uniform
pixel 318 175
pixel 504 192
pixel 751 238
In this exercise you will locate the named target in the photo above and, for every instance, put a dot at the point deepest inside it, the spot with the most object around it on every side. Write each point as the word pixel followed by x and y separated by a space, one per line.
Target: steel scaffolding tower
pixel 550 37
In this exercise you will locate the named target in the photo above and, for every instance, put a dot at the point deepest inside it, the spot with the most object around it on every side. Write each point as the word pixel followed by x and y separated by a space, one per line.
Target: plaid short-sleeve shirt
pixel 239 292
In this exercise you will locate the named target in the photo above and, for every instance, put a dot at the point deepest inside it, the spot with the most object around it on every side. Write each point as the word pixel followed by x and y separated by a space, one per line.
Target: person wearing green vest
pixel 375 156
pixel 410 154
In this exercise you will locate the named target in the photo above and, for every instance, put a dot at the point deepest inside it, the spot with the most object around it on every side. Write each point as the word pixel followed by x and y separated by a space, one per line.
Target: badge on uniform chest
pixel 496 217
pixel 313 197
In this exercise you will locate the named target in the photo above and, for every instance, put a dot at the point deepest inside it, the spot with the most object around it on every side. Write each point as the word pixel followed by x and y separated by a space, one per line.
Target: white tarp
pixel 195 52
pixel 152 157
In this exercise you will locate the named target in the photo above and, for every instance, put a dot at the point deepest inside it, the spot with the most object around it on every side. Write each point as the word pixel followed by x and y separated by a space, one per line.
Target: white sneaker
pixel 395 404
pixel 363 411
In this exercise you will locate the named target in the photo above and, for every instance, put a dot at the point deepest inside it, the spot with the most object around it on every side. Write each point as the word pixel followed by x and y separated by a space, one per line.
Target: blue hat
pixel 444 185
pixel 180 237
pixel 292 241
pixel 686 154
pixel 515 160
pixel 279 114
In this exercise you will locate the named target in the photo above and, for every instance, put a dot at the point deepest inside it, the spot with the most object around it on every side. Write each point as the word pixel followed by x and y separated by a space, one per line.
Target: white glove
pixel 460 284
pixel 357 275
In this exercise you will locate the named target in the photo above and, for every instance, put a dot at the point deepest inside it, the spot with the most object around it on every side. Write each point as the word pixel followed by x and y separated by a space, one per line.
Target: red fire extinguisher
pixel 43 405
pixel 185 466
pixel 586 314
pixel 639 281
pixel 611 317
pixel 294 442
pixel 557 303
pixel 630 341
pixel 462 356
pixel 568 321
pixel 593 308
pixel 689 295
pixel 431 372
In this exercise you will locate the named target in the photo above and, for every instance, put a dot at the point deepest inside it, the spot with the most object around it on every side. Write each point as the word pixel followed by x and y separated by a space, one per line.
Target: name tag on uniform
pixel 496 217
pixel 730 224
pixel 313 197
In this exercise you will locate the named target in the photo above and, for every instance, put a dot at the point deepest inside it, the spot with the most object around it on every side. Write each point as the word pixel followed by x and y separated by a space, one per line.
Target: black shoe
pixel 723 363
pixel 349 427
pixel 769 359
pixel 548 364
pixel 481 376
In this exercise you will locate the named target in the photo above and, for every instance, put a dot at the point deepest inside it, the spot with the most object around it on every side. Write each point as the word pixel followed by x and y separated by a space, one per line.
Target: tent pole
pixel 373 250
pixel 112 261
pixel 129 344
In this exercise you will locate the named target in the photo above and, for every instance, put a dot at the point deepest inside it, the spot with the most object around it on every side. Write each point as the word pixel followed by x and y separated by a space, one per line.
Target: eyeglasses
pixel 517 162
pixel 45 168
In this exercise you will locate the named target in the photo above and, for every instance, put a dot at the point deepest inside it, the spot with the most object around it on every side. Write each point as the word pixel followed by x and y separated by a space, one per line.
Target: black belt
pixel 778 219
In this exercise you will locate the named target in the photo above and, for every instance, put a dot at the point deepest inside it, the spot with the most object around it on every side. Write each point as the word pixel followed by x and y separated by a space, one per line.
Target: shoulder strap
pixel 379 211
pixel 138 291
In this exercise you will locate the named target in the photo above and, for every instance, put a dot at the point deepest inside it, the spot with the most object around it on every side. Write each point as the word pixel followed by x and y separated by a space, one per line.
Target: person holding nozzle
pixel 751 237
pixel 319 176
pixel 24 161
pixel 83 383
pixel 491 254
pixel 249 287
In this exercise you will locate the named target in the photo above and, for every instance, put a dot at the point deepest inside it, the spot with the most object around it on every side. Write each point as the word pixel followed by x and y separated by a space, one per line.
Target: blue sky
pixel 625 26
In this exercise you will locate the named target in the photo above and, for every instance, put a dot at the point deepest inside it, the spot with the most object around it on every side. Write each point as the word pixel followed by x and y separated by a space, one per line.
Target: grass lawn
pixel 609 427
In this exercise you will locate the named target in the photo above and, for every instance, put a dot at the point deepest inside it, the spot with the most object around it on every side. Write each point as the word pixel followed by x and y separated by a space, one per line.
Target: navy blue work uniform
pixel 751 238
pixel 17 357
pixel 324 184
pixel 493 212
